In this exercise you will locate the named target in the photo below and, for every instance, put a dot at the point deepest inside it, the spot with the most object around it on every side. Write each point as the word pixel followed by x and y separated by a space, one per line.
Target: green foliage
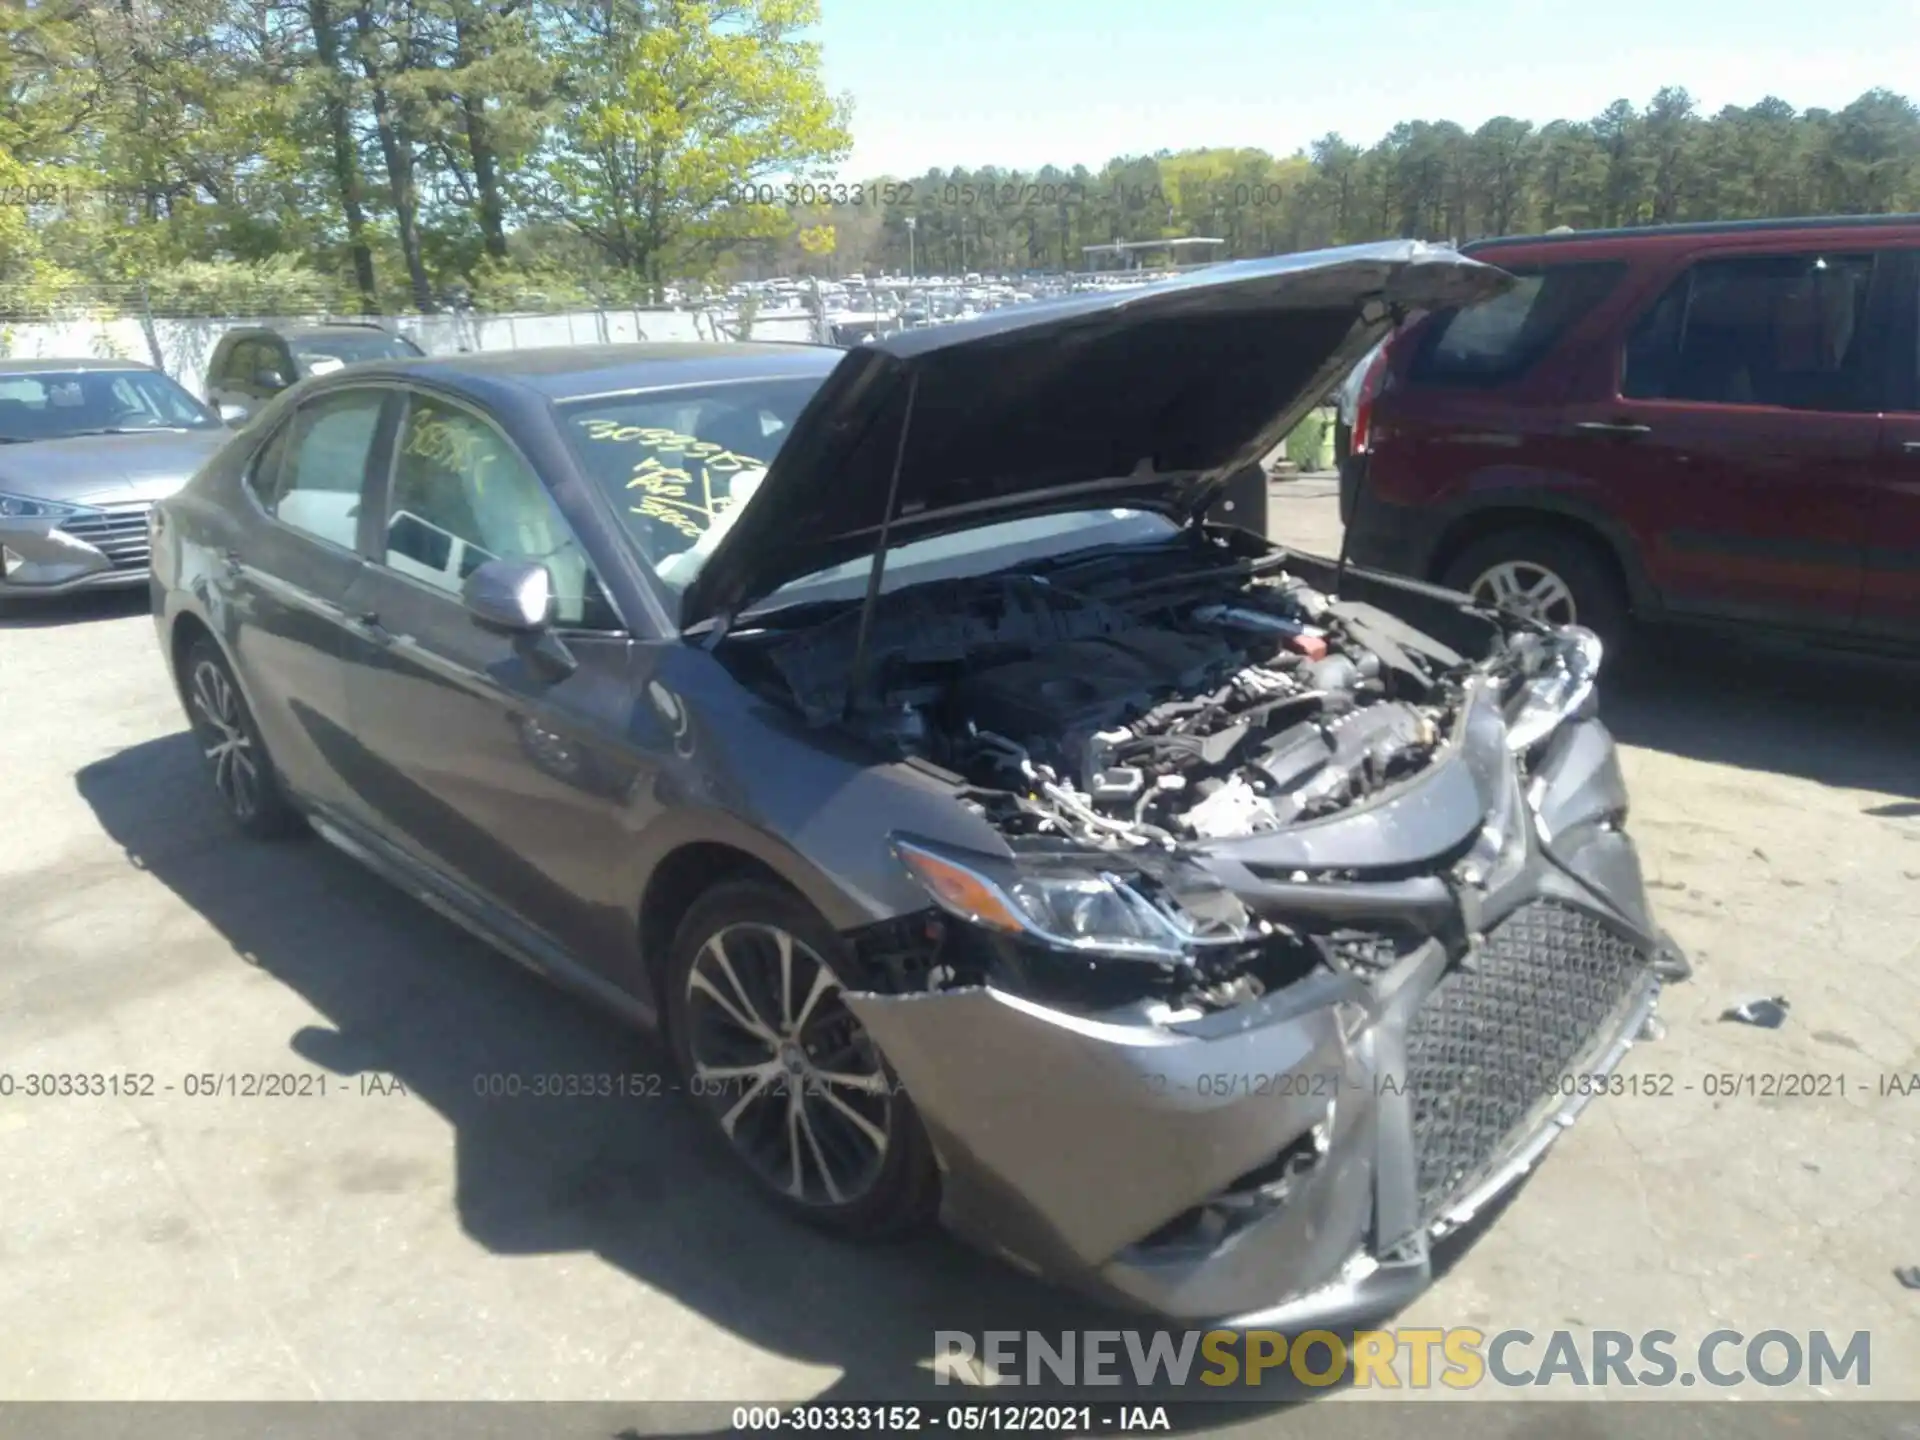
pixel 271 155
pixel 1306 446
pixel 679 102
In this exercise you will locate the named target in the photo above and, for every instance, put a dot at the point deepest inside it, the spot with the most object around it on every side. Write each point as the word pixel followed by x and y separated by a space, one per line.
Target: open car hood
pixel 1148 397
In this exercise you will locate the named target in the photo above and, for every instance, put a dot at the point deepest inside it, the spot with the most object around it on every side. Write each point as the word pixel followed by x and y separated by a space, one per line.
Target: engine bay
pixel 1127 706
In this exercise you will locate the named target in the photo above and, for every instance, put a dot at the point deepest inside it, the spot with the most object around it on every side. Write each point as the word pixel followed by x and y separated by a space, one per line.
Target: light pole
pixel 913 224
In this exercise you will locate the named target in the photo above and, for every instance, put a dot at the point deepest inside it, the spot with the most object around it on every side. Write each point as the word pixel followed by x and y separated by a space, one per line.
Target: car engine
pixel 1130 712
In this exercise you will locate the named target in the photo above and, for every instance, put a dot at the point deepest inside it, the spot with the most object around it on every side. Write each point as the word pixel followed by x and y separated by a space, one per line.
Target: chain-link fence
pixel 177 333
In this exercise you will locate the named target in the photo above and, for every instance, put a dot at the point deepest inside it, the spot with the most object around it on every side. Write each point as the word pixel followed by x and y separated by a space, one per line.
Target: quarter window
pixel 1780 330
pixel 462 496
pixel 315 486
pixel 1501 337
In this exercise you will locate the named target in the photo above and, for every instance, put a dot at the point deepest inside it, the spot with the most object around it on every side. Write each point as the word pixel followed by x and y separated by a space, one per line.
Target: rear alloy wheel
pixel 1544 575
pixel 769 1050
pixel 230 742
pixel 1525 589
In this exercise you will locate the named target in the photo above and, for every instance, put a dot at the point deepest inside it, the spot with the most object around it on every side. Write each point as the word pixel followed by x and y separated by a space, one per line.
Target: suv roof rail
pixel 1696 227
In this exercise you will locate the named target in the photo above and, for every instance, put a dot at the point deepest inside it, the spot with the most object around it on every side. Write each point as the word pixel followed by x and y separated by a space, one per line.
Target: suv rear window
pixel 1499 338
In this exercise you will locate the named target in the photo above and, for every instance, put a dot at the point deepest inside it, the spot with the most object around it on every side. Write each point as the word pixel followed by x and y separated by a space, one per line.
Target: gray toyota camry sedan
pixel 994 836
pixel 86 447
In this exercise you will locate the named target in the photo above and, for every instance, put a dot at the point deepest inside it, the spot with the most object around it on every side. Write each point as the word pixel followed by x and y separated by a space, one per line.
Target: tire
pixel 843 1180
pixel 1573 574
pixel 243 774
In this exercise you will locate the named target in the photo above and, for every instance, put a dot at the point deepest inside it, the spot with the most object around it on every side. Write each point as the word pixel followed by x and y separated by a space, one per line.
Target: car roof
pixel 574 372
pixel 54 363
pixel 1681 236
pixel 329 327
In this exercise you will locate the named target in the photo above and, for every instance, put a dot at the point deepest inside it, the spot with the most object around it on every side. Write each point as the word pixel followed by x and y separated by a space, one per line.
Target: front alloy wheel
pixel 769 1049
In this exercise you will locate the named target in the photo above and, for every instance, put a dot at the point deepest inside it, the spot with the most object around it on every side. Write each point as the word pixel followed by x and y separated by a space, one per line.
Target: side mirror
pixel 515 598
pixel 510 597
pixel 232 415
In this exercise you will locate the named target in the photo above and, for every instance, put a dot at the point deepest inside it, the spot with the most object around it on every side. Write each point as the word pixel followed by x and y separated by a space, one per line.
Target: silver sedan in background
pixel 86 447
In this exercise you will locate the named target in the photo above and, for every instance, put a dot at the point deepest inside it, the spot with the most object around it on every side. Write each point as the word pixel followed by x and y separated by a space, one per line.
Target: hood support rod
pixel 856 680
pixel 1397 315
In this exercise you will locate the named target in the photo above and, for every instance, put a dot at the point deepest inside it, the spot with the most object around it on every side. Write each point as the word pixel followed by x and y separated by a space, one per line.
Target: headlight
pixel 1500 849
pixel 25 507
pixel 1556 690
pixel 1102 912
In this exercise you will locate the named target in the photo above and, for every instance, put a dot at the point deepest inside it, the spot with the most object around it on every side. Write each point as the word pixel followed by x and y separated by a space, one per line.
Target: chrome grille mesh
pixel 118 531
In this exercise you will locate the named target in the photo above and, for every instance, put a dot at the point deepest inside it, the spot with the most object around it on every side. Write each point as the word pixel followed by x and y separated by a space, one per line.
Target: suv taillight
pixel 1363 407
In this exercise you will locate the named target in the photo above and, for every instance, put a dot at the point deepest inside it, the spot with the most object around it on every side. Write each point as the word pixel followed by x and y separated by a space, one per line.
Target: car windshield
pixel 680 466
pixel 56 404
pixel 317 354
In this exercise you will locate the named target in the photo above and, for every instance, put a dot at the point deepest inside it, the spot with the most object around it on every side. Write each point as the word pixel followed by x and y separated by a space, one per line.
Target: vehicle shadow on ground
pixel 80 608
pixel 637 1182
pixel 1840 720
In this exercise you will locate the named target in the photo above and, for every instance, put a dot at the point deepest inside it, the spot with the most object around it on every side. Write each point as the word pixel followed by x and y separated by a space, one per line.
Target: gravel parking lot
pixel 404 1236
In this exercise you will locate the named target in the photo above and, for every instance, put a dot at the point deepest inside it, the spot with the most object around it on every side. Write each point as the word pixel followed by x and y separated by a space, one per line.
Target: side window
pixel 1780 330
pixel 253 364
pixel 237 367
pixel 1500 338
pixel 462 496
pixel 311 474
pixel 274 367
pixel 263 478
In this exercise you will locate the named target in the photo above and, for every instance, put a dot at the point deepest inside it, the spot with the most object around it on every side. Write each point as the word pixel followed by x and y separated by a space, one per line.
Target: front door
pixel 510 780
pixel 1890 591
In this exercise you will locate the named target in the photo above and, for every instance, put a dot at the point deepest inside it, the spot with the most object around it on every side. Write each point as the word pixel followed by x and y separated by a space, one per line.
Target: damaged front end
pixel 1304 927
pixel 1241 922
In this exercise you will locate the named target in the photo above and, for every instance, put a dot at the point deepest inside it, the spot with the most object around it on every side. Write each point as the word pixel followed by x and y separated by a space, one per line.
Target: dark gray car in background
pixel 253 364
pixel 86 447
pixel 1174 914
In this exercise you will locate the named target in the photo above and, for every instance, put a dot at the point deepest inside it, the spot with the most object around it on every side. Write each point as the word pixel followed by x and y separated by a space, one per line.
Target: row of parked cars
pixel 88 446
pixel 1205 924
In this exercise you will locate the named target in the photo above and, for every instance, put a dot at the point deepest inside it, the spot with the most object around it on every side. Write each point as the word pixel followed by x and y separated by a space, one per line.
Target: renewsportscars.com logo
pixel 1460 1358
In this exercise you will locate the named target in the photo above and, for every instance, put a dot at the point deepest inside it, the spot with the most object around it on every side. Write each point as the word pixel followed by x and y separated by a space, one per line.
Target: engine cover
pixel 1079 686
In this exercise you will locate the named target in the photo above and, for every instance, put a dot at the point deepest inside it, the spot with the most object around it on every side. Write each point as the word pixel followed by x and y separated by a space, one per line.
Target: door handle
pixel 1625 429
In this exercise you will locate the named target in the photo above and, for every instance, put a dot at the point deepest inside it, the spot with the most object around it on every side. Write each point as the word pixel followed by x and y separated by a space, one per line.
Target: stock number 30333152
pixel 907 1419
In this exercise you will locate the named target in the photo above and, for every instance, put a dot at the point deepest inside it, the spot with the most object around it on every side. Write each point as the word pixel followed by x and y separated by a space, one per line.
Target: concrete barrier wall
pixel 183 347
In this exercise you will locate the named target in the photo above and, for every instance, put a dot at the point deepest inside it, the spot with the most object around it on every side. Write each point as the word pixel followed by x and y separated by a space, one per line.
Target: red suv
pixel 1695 422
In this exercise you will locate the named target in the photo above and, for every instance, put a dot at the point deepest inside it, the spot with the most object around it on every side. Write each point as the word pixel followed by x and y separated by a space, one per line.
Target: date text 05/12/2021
pixel 279 1084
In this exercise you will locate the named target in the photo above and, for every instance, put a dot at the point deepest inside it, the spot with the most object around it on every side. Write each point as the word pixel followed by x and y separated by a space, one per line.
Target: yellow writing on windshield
pixel 676 476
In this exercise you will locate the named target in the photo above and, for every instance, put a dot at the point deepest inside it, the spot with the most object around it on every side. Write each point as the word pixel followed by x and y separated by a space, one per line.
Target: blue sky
pixel 1019 83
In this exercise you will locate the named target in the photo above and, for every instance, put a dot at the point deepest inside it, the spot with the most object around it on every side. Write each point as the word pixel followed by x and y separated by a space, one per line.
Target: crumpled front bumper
pixel 1076 1146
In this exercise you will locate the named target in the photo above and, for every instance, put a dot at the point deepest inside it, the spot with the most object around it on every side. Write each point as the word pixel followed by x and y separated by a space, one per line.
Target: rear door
pixel 1890 586
pixel 288 579
pixel 1736 429
pixel 1471 405
pixel 225 374
pixel 241 383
